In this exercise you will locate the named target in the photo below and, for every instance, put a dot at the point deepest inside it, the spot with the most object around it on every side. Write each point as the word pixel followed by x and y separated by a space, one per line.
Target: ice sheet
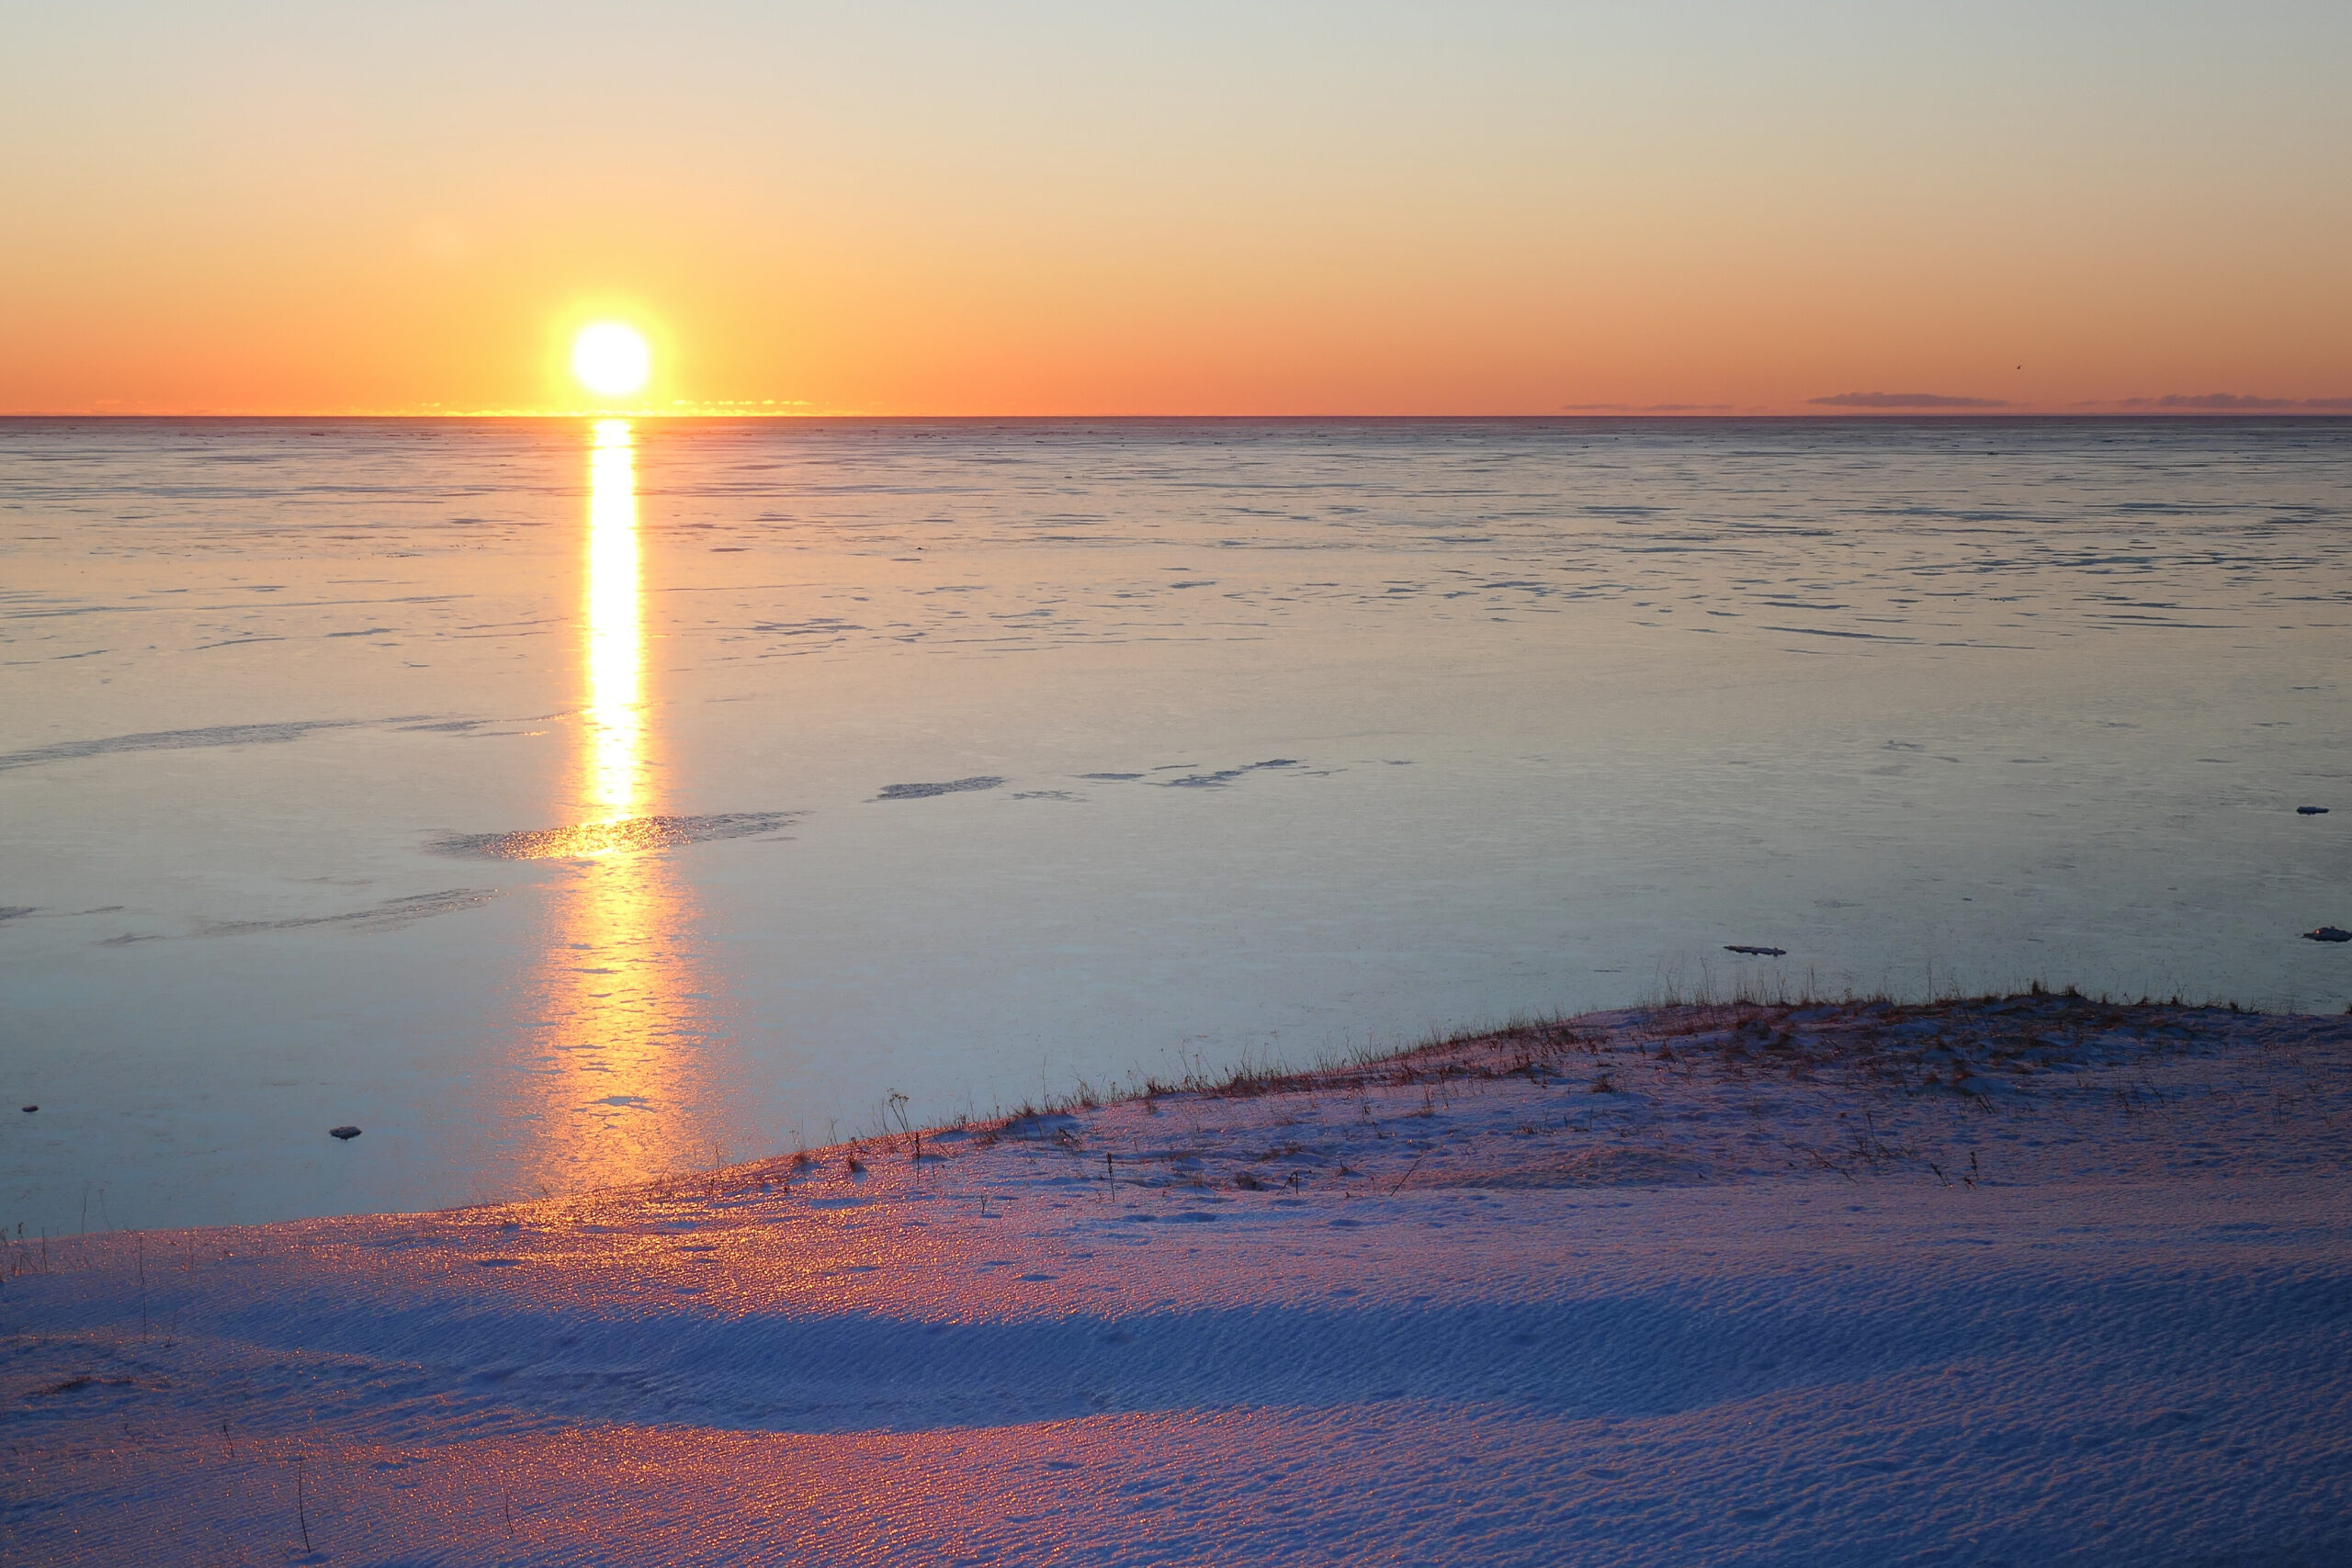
pixel 1300 735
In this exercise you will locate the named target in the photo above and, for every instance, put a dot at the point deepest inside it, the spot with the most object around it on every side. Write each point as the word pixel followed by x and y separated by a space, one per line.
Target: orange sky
pixel 1287 209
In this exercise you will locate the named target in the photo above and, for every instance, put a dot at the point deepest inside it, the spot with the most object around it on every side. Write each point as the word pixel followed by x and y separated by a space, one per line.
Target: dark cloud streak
pixel 1905 401
pixel 1646 407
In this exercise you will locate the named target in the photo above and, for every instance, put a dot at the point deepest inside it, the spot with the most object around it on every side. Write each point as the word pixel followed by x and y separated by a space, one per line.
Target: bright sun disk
pixel 611 359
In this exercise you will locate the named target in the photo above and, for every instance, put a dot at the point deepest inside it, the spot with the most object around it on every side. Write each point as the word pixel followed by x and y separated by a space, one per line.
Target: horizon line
pixel 1827 416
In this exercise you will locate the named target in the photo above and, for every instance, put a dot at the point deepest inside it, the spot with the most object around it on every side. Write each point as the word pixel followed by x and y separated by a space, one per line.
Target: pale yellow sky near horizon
pixel 1289 209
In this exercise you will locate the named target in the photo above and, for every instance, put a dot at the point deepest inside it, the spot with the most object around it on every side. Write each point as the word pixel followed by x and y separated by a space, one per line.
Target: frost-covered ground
pixel 2026 1281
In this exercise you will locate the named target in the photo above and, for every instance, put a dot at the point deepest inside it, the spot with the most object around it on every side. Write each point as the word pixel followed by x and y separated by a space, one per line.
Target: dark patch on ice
pixel 389 916
pixel 174 740
pixel 364 631
pixel 819 626
pixel 343 1134
pixel 1224 776
pixel 2311 811
pixel 630 833
pixel 446 726
pixel 16 911
pixel 1823 631
pixel 1757 952
pixel 1020 794
pixel 2328 933
pixel 925 791
pixel 1111 778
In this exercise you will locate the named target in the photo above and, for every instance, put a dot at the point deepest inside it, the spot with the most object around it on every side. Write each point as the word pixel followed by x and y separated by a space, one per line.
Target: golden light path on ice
pixel 625 1011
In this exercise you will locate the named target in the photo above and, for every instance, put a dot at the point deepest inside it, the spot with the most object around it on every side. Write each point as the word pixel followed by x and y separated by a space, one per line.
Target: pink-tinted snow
pixel 2026 1281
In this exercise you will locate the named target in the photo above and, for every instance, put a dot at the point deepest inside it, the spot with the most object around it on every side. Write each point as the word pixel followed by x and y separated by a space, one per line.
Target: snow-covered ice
pixel 2021 1281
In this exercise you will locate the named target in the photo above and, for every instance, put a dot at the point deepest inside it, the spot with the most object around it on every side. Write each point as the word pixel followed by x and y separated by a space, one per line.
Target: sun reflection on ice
pixel 626 1010
pixel 615 626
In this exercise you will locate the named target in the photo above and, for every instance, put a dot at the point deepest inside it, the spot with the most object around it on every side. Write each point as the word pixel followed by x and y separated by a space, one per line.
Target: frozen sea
pixel 566 801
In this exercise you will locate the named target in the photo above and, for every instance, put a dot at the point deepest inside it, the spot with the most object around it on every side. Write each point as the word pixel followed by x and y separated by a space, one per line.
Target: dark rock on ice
pixel 1758 952
pixel 2328 933
pixel 346 1134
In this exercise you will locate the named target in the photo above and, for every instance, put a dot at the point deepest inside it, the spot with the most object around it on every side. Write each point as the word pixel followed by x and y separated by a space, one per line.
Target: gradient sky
pixel 1203 208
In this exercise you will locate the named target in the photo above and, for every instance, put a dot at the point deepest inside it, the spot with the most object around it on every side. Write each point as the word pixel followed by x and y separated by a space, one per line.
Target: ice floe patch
pixel 1224 776
pixel 631 834
pixel 389 916
pixel 221 735
pixel 1192 776
pixel 174 740
pixel 926 791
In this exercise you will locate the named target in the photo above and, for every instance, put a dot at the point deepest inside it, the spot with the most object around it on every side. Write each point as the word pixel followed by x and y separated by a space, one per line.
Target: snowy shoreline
pixel 2001 1281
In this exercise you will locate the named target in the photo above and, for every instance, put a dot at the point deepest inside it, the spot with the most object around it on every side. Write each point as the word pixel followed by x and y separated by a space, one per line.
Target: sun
pixel 611 359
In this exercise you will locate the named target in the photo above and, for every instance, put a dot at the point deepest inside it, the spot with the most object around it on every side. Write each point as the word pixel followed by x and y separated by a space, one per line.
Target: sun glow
pixel 611 360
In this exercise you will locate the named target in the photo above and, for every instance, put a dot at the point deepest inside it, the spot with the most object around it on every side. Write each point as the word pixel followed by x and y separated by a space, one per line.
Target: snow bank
pixel 2013 1281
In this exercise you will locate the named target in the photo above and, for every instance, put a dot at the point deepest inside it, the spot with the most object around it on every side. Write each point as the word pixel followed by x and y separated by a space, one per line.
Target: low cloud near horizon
pixel 2223 402
pixel 1905 401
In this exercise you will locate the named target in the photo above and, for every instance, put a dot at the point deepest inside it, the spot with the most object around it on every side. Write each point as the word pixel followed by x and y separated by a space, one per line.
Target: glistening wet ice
pixel 562 804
